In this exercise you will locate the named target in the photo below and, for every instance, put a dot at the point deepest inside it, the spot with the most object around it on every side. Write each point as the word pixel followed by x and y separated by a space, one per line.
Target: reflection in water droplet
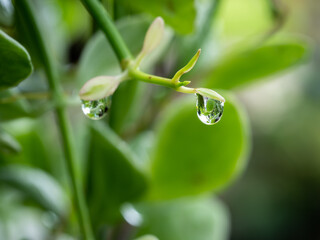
pixel 96 109
pixel 209 110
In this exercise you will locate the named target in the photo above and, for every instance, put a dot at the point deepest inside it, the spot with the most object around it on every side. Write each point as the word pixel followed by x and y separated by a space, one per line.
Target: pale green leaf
pixel 190 157
pixel 243 68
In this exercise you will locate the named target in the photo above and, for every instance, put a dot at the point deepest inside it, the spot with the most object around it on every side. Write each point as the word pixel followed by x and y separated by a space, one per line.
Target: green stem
pixel 136 74
pixel 23 7
pixel 167 82
pixel 124 56
pixel 100 15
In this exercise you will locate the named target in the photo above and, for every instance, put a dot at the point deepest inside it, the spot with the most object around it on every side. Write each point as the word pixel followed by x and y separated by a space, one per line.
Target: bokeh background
pixel 278 196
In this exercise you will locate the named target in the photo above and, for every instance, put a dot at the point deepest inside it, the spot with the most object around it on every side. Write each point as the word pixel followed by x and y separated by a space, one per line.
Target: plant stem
pixel 167 82
pixel 136 74
pixel 100 15
pixel 24 8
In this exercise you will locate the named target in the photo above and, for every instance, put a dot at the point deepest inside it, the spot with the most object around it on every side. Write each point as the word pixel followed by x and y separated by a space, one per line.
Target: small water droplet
pixel 209 110
pixel 96 109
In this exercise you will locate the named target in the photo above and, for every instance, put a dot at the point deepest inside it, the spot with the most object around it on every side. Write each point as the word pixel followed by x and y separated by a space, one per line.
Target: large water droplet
pixel 96 109
pixel 209 110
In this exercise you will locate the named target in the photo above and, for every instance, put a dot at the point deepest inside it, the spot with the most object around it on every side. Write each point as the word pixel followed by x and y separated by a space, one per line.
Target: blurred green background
pixel 275 197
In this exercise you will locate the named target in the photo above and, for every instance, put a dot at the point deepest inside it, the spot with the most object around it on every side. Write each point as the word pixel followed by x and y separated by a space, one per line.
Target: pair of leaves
pixel 15 62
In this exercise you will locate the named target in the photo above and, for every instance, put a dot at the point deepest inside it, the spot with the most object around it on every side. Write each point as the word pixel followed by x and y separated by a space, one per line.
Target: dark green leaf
pixel 179 14
pixel 37 185
pixel 15 62
pixel 245 67
pixel 185 219
pixel 113 178
pixel 190 157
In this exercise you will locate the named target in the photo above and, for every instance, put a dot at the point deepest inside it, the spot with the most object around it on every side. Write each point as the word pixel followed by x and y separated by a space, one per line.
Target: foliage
pixel 151 151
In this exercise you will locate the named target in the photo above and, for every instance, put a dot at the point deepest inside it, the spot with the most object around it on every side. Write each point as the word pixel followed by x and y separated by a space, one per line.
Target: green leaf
pixel 179 14
pixel 15 62
pixel 190 157
pixel 245 67
pixel 99 87
pixel 187 67
pixel 113 177
pixel 8 144
pixel 210 94
pixel 185 219
pixel 37 185
pixel 36 147
pixel 153 36
pixel 147 237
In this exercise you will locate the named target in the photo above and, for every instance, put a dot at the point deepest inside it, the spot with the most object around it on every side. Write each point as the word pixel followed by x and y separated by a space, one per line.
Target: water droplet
pixel 209 110
pixel 96 109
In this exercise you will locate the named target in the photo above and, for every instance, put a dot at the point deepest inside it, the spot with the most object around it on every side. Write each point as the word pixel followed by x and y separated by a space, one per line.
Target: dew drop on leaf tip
pixel 209 110
pixel 96 109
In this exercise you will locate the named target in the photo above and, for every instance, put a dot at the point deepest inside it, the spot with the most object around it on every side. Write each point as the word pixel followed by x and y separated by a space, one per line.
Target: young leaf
pixel 153 36
pixel 99 87
pixel 15 62
pixel 185 219
pixel 98 59
pixel 210 94
pixel 246 67
pixel 147 237
pixel 191 158
pixel 187 67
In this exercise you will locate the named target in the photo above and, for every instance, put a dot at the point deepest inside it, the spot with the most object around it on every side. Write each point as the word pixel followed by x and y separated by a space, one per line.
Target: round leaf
pixel 190 157
pixel 185 219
